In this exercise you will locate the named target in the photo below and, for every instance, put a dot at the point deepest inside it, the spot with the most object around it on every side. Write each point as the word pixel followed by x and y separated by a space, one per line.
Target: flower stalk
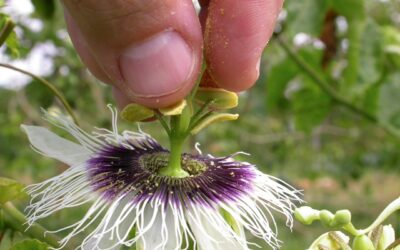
pixel 178 134
pixel 174 167
pixel 48 85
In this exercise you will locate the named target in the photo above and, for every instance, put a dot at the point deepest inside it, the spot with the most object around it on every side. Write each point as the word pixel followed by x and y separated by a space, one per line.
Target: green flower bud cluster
pixel 308 215
pixel 375 237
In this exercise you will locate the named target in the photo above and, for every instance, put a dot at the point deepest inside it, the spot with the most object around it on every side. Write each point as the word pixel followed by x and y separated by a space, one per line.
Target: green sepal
pixel 218 98
pixel 10 190
pixel 135 113
pixel 30 244
pixel 362 242
pixel 334 240
pixel 175 109
pixel 213 118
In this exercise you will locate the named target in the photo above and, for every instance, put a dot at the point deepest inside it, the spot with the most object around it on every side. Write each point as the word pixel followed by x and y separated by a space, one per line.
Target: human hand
pixel 150 51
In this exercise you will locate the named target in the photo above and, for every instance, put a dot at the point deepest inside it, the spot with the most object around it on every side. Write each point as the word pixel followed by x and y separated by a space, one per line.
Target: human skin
pixel 151 51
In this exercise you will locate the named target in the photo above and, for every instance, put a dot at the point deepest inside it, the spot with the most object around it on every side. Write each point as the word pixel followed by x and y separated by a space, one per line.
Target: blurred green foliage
pixel 291 127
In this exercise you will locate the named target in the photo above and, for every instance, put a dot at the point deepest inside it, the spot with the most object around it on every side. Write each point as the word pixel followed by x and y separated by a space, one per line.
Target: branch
pixel 18 222
pixel 321 82
pixel 57 93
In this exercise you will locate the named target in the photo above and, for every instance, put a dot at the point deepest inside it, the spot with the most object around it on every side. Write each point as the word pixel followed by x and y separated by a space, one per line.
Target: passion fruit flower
pixel 132 203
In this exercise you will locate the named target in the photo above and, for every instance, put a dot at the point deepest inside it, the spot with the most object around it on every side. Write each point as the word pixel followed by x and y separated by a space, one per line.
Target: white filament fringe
pixel 158 225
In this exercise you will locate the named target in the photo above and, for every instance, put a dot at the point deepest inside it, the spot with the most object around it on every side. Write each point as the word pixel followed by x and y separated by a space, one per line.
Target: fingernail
pixel 158 66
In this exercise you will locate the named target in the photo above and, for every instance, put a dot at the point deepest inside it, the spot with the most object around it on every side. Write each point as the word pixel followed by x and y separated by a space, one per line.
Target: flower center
pixel 118 170
pixel 153 162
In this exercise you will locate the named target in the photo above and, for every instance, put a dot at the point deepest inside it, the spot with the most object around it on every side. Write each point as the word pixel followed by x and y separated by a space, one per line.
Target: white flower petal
pixel 164 233
pixel 211 237
pixel 56 147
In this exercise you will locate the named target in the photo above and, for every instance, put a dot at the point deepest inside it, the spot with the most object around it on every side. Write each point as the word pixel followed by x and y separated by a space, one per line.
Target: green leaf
pixel 30 244
pixel 39 96
pixel 279 77
pixel 10 190
pixel 8 36
pixel 368 70
pixel 44 8
pixel 13 45
pixel 371 54
pixel 306 16
pixel 351 9
pixel 311 106
pixel 354 11
pixel 392 44
pixel 388 105
pixel 370 99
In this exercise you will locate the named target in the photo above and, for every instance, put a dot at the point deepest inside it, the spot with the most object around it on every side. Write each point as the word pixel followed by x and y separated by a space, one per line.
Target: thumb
pixel 149 50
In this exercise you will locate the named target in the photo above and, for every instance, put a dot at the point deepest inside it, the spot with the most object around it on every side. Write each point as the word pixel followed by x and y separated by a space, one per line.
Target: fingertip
pixel 235 36
pixel 150 50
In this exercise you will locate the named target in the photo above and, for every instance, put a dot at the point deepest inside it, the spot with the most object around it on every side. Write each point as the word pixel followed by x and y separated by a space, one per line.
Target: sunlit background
pixel 292 127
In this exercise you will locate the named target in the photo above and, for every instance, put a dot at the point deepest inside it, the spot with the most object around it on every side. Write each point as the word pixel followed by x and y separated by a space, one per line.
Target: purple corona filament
pixel 116 170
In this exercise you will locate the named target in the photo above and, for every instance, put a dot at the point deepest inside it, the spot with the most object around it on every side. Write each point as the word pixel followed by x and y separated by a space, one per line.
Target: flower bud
pixel 387 237
pixel 306 215
pixel 326 217
pixel 362 242
pixel 341 218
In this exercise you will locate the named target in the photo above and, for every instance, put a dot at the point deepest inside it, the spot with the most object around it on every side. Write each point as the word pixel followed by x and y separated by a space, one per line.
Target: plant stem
pixel 321 82
pixel 6 30
pixel 177 137
pixel 174 167
pixel 17 221
pixel 162 122
pixel 351 229
pixel 174 162
pixel 389 210
pixel 57 93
